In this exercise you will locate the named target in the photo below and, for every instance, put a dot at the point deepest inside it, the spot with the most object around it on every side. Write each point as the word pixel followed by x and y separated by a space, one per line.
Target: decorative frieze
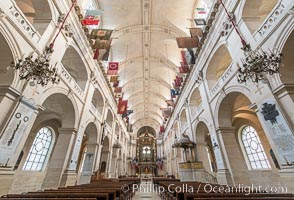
pixel 221 82
pixel 17 16
pixel 271 20
pixel 70 81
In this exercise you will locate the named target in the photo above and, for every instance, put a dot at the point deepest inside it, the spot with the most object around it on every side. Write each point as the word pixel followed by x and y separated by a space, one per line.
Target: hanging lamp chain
pixel 37 70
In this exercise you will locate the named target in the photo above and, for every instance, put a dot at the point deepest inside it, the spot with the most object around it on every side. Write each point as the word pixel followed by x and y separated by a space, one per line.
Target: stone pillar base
pixel 69 178
pixel 224 177
pixel 6 179
pixel 287 177
pixel 194 171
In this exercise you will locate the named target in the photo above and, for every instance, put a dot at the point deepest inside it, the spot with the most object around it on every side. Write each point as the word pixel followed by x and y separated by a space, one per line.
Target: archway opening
pixel 87 154
pixel 6 74
pixel 98 101
pixel 235 113
pixel 37 12
pixel 146 151
pixel 75 66
pixel 104 161
pixel 218 64
pixel 204 146
pixel 255 12
pixel 195 100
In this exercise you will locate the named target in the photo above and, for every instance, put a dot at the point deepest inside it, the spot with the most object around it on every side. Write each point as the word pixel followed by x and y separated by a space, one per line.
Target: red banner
pixel 113 66
pixel 122 106
pixel 90 20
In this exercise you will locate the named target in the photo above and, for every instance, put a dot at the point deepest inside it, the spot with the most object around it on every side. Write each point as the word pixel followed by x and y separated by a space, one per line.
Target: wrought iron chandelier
pixel 36 68
pixel 257 63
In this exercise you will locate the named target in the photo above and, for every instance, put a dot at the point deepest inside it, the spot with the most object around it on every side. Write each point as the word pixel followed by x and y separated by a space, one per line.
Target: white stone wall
pixel 68 97
pixel 271 34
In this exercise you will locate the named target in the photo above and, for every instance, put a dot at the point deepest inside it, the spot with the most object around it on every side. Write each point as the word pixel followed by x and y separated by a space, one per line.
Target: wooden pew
pixel 98 196
pixel 3 198
pixel 199 193
pixel 110 189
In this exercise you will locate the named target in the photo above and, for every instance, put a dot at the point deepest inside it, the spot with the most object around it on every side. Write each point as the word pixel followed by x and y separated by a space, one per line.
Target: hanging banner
pixel 102 34
pixel 187 42
pixel 196 32
pixel 122 106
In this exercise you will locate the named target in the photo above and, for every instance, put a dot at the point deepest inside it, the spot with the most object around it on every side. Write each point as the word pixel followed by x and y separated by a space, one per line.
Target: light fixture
pixel 257 63
pixel 36 69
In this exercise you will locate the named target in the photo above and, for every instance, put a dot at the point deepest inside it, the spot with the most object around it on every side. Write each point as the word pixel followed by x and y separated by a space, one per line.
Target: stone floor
pixel 146 192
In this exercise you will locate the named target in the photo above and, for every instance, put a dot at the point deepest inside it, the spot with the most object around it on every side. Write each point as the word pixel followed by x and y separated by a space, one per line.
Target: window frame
pixel 245 153
pixel 47 155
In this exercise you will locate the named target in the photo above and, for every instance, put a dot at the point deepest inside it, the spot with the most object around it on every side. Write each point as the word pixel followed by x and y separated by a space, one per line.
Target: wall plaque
pixel 15 129
pixel 280 132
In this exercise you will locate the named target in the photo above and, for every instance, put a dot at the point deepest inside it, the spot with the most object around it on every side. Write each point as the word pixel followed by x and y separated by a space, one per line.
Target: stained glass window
pixel 39 150
pixel 254 149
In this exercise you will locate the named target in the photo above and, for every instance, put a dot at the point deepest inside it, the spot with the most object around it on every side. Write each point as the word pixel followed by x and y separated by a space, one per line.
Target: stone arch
pixel 6 57
pixel 60 107
pixel 37 12
pixel 283 83
pixel 104 160
pixel 287 70
pixel 195 100
pixel 73 62
pixel 109 118
pixel 87 153
pixel 20 174
pixel 255 12
pixel 98 100
pixel 183 119
pixel 59 115
pixel 218 64
pixel 204 146
pixel 234 112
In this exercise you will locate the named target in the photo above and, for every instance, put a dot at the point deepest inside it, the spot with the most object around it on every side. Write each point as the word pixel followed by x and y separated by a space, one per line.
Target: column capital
pixel 67 131
pixel 93 144
pixel 10 92
pixel 225 130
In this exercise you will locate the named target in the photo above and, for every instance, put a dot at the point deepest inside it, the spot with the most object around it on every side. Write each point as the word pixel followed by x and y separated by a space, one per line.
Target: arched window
pixel 39 150
pixel 254 149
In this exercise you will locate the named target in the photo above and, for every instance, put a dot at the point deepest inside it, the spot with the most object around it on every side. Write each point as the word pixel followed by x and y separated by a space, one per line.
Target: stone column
pixel 188 114
pixel 98 158
pixel 202 154
pixel 233 169
pixel 8 98
pixel 112 166
pixel 59 158
pixel 89 163
pixel 109 163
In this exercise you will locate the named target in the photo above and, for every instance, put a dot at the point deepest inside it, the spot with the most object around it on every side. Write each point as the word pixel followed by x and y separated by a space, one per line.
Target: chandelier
pixel 36 69
pixel 257 63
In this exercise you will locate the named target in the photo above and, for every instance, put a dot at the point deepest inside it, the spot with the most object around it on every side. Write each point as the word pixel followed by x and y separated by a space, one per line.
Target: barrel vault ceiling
pixel 144 43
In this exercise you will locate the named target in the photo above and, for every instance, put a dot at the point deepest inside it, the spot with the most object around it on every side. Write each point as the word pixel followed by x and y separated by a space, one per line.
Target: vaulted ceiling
pixel 145 45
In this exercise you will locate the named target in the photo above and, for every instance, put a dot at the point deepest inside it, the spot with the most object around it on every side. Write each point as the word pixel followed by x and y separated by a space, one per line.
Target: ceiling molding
pixel 156 94
pixel 151 114
pixel 158 80
pixel 139 59
pixel 153 28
